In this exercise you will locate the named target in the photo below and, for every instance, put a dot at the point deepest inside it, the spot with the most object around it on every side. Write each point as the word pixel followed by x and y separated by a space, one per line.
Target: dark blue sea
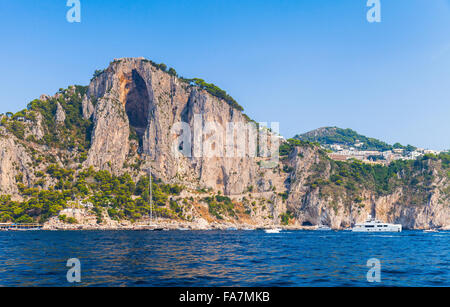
pixel 224 258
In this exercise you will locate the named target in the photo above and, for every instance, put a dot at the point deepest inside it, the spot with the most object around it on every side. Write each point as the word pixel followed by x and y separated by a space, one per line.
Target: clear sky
pixel 305 64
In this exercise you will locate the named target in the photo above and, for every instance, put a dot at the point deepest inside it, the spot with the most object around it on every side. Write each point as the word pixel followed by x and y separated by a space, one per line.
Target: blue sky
pixel 305 64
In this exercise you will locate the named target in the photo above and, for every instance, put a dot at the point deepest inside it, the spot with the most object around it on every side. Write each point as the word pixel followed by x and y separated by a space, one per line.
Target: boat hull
pixel 272 230
pixel 20 227
pixel 389 228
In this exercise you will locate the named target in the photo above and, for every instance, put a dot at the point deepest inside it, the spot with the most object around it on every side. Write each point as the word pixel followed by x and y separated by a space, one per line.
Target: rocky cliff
pixel 92 147
pixel 340 194
pixel 134 94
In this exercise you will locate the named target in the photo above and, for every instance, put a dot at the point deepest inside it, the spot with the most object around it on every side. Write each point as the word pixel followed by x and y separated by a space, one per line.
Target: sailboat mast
pixel 151 196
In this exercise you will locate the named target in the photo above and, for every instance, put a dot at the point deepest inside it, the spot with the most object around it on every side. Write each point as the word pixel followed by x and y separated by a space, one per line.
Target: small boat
pixel 323 228
pixel 231 228
pixel 273 230
pixel 20 227
pixel 149 227
pixel 431 230
pixel 182 228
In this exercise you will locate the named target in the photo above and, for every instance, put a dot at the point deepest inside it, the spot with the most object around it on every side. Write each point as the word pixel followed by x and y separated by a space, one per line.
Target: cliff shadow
pixel 137 105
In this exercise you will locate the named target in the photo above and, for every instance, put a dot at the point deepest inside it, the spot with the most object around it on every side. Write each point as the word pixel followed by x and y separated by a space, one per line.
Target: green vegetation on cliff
pixel 220 205
pixel 215 91
pixel 348 137
pixel 75 132
pixel 287 147
pixel 120 196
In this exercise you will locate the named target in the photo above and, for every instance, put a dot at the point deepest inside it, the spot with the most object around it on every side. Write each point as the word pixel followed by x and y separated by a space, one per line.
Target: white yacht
pixel 273 230
pixel 374 225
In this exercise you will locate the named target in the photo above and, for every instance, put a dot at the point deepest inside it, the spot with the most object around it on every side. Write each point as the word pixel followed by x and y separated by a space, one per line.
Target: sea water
pixel 224 258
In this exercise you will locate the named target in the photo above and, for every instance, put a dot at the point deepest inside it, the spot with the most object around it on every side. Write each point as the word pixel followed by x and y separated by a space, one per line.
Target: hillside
pixel 348 137
pixel 89 148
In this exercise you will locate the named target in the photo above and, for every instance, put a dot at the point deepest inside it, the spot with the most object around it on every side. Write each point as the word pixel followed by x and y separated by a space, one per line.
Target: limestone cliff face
pixel 110 138
pixel 36 130
pixel 433 213
pixel 14 160
pixel 134 93
pixel 60 114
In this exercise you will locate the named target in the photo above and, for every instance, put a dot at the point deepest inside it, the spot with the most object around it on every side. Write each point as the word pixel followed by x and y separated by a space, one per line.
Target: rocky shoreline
pixel 220 227
pixel 166 224
pixel 86 220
